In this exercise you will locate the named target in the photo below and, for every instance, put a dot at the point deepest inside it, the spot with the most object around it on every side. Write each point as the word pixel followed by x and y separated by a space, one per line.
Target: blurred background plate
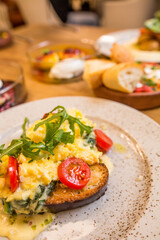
pixel 104 43
pixel 128 38
pixel 45 55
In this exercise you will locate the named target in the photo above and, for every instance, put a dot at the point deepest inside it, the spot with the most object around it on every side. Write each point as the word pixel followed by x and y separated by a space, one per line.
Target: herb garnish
pixel 54 136
pixel 149 82
pixel 24 126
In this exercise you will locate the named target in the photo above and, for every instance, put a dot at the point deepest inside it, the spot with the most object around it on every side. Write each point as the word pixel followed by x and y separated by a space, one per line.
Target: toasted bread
pixel 121 54
pixel 93 71
pixel 64 198
pixel 123 77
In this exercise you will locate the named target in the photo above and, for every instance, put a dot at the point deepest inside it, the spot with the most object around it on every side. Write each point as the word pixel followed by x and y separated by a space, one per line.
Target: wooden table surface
pixel 38 90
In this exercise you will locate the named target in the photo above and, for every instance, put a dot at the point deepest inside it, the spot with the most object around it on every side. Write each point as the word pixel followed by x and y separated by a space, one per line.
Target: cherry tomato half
pixel 13 173
pixel 46 115
pixel 144 88
pixel 74 173
pixel 146 31
pixel 103 141
pixel 149 64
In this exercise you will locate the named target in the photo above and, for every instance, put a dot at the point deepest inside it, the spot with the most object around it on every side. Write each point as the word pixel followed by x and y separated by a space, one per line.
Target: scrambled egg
pixel 43 171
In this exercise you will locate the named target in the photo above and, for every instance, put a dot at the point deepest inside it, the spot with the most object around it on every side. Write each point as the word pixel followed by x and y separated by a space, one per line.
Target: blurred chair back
pixel 38 11
pixel 122 14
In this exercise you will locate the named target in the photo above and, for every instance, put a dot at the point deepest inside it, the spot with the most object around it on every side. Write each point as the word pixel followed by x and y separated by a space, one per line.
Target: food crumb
pixel 119 148
pixel 128 156
pixel 139 178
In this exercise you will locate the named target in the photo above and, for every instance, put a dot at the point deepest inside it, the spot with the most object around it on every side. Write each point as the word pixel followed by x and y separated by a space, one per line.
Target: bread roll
pixel 121 54
pixel 123 77
pixel 94 69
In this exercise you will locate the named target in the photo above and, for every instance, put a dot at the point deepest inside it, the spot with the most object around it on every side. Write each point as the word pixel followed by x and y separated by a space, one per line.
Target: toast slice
pixel 93 71
pixel 64 198
pixel 123 77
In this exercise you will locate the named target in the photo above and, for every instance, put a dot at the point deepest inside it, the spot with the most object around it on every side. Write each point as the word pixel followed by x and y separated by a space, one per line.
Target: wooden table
pixel 38 90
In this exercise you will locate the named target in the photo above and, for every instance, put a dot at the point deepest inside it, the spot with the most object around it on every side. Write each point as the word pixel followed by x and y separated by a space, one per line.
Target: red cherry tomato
pixel 73 51
pixel 74 173
pixel 147 88
pixel 101 150
pixel 144 88
pixel 103 141
pixel 138 89
pixel 146 31
pixel 144 64
pixel 46 115
pixel 13 173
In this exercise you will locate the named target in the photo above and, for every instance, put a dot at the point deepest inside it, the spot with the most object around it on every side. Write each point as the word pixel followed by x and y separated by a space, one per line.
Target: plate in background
pixel 43 56
pixel 128 38
pixel 140 101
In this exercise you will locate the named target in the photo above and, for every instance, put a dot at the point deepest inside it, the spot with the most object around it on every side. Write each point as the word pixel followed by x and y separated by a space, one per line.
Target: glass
pixel 12 88
pixel 40 66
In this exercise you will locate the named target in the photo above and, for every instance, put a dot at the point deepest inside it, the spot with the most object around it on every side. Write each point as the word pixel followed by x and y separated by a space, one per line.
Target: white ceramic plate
pixel 104 43
pixel 128 38
pixel 130 208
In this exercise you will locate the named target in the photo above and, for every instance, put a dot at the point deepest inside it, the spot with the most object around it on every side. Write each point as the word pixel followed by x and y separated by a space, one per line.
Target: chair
pixel 38 11
pixel 121 14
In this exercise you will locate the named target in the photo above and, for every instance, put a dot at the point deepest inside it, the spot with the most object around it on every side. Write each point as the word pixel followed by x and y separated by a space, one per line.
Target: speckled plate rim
pixel 143 129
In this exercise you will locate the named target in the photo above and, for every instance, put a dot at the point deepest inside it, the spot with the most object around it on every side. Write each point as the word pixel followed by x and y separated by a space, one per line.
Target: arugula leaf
pixel 82 127
pixel 40 193
pixel 40 146
pixel 29 146
pixel 24 126
pixel 58 135
pixel 13 149
pixel 21 203
pixel 49 132
pixel 1 148
pixel 7 206
pixel 67 137
pixel 40 204
pixel 54 136
pixel 50 188
pixel 149 82
pixel 61 114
